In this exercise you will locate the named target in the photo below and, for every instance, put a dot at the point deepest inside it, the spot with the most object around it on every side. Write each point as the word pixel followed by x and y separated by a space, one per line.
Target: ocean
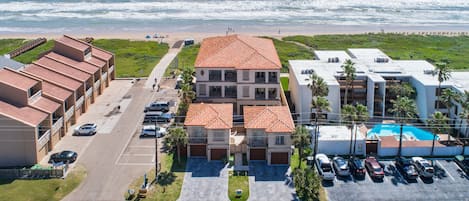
pixel 71 16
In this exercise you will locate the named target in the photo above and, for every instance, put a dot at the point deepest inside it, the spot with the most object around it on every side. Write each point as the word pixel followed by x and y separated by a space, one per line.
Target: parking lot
pixel 448 183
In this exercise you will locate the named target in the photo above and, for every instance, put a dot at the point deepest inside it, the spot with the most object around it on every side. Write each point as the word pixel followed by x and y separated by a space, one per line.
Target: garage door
pixel 257 154
pixel 217 154
pixel 279 158
pixel 199 150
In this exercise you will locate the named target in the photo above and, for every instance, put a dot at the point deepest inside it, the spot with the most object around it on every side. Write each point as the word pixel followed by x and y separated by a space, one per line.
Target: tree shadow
pixel 6 181
pixel 165 179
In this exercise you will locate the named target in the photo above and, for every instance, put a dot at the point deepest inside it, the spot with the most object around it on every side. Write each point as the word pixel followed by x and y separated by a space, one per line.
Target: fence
pixel 26 47
pixel 32 174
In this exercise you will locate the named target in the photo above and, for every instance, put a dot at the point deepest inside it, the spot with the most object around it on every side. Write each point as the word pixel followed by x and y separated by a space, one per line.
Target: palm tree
pixel 321 104
pixel 443 73
pixel 187 75
pixel 439 124
pixel 318 86
pixel 464 114
pixel 350 75
pixel 301 140
pixel 177 138
pixel 404 109
pixel 448 97
pixel 349 114
pixel 361 117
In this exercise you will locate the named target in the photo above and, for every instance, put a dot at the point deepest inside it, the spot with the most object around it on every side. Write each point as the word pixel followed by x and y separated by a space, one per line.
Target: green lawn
pixel 169 187
pixel 133 58
pixel 185 58
pixel 32 55
pixel 238 181
pixel 7 45
pixel 295 159
pixel 41 189
pixel 289 51
pixel 284 81
pixel 452 50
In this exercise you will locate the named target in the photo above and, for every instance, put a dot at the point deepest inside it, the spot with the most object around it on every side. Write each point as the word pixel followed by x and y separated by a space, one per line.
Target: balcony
pixel 69 113
pixel 260 94
pixel 45 137
pixel 198 140
pixel 111 69
pixel 258 143
pixel 57 125
pixel 214 75
pixel 273 79
pixel 96 85
pixel 104 76
pixel 231 92
pixel 35 96
pixel 260 77
pixel 89 92
pixel 79 102
pixel 230 76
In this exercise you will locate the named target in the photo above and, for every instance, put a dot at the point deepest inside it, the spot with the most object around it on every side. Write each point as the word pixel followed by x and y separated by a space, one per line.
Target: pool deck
pixel 392 142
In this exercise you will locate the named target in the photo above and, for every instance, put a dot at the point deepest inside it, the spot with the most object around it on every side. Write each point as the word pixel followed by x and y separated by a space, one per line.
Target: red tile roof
pixel 211 116
pixel 55 91
pixel 271 118
pixel 46 105
pixel 100 53
pixel 71 42
pixel 51 76
pixel 27 115
pixel 63 69
pixel 84 66
pixel 237 51
pixel 17 79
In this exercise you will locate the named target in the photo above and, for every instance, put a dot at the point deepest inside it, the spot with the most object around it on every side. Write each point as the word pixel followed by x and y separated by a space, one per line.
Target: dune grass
pixel 133 58
pixel 185 58
pixel 7 45
pixel 452 50
pixel 284 82
pixel 170 185
pixel 238 180
pixel 290 51
pixel 32 55
pixel 41 189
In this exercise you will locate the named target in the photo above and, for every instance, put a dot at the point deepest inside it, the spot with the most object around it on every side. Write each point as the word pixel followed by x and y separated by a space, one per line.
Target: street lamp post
pixel 156 155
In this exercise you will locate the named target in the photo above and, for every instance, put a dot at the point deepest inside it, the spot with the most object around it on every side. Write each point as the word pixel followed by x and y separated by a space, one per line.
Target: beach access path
pixel 107 178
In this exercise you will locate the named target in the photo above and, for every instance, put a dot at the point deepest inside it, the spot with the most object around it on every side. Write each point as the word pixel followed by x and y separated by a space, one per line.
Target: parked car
pixel 324 167
pixel 356 167
pixel 64 156
pixel 462 162
pixel 152 130
pixel 424 168
pixel 341 166
pixel 151 117
pixel 406 167
pixel 157 106
pixel 374 168
pixel 86 129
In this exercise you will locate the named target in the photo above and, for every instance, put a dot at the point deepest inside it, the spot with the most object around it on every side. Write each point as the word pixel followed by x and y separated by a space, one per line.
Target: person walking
pixel 153 86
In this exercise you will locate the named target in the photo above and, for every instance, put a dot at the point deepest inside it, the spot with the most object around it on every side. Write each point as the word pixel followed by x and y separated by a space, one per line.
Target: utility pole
pixel 156 155
pixel 316 132
pixel 400 141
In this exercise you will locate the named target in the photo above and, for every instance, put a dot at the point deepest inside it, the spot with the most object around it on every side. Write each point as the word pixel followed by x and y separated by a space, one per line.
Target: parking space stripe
pixel 136 164
pixel 442 167
pixel 153 155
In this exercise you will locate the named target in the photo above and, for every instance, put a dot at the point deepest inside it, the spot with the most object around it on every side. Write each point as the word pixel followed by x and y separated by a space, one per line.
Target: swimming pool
pixel 408 132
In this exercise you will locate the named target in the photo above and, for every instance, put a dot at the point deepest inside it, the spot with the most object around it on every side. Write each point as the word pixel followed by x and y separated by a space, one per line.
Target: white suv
pixel 85 129
pixel 424 168
pixel 152 130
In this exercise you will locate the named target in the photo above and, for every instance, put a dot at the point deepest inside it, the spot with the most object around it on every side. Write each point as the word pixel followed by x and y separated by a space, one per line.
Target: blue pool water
pixel 408 132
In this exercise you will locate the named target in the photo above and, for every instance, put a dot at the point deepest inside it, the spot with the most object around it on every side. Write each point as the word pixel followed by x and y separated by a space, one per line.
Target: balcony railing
pixel 44 138
pixel 111 69
pixel 257 143
pixel 57 125
pixel 260 96
pixel 97 84
pixel 260 80
pixel 35 96
pixel 197 139
pixel 69 113
pixel 79 102
pixel 89 92
pixel 104 76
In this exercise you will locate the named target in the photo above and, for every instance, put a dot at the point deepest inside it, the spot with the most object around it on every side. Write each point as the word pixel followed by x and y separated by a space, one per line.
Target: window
pixel 215 91
pixel 230 91
pixel 245 75
pixel 442 105
pixel 31 92
pixel 202 89
pixel 230 75
pixel 272 93
pixel 214 75
pixel 273 77
pixel 245 91
pixel 280 140
pixel 260 77
pixel 260 93
pixel 218 136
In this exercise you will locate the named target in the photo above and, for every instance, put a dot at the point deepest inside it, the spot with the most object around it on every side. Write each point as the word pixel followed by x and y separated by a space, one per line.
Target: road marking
pixel 138 155
pixel 136 164
pixel 442 167
pixel 153 147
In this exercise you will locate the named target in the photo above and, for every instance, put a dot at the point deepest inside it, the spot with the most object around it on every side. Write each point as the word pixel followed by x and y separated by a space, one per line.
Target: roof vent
pixel 307 71
pixel 333 60
pixel 381 60
pixel 428 72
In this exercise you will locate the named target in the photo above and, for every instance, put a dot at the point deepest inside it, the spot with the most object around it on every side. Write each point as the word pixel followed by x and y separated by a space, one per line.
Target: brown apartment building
pixel 40 102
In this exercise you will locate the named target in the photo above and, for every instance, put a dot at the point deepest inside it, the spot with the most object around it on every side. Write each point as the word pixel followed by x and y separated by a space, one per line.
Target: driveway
pixel 270 182
pixel 205 181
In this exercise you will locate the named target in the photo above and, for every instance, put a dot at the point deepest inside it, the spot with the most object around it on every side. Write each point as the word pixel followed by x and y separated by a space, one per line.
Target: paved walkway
pixel 205 181
pixel 107 179
pixel 160 68
pixel 270 183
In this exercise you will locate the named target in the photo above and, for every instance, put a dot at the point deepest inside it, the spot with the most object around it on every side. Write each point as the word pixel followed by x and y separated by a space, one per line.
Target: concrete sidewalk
pixel 160 68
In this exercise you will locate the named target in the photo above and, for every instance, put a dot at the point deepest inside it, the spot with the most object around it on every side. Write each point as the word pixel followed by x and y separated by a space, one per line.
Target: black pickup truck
pixel 463 163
